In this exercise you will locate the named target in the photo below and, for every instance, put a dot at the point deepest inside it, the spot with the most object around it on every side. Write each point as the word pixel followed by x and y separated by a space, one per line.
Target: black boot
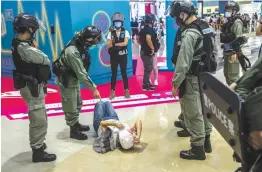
pixel 82 127
pixel 39 155
pixel 183 133
pixel 75 133
pixel 207 145
pixel 195 153
pixel 179 124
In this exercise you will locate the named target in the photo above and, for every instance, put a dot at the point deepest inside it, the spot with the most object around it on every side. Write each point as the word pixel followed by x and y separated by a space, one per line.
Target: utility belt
pixel 21 80
pixel 196 68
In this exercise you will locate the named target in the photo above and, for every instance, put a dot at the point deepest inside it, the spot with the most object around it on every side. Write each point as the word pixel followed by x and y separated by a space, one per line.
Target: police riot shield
pixel 222 107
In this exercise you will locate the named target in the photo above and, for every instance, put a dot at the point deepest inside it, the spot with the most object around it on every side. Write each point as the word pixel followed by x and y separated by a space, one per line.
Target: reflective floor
pixel 158 151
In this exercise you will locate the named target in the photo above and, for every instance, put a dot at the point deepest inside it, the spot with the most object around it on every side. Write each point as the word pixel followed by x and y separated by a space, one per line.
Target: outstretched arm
pixel 138 129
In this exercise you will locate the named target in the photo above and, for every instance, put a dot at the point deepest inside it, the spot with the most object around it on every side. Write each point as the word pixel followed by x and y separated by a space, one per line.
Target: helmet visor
pixel 42 27
pixel 94 41
pixel 168 10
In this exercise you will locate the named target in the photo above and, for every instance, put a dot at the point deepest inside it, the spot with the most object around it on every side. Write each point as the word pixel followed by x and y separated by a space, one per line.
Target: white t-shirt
pixel 127 35
pixel 113 128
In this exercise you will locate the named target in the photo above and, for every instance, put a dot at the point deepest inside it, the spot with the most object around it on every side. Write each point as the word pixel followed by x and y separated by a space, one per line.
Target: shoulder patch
pixel 207 31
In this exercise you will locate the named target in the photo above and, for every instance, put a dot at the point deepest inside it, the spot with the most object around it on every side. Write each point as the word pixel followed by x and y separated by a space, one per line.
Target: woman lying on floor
pixel 112 134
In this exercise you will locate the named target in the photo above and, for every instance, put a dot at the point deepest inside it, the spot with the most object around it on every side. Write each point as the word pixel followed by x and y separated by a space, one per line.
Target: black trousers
pixel 122 61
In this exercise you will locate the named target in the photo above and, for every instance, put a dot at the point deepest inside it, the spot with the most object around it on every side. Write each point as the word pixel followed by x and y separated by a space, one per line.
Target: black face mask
pixel 179 21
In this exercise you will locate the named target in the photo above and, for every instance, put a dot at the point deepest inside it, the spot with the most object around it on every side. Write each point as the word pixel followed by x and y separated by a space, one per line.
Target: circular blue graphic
pixel 102 21
pixel 104 57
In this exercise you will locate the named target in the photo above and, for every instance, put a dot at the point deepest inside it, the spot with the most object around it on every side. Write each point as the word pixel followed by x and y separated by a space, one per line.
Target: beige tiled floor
pixel 158 151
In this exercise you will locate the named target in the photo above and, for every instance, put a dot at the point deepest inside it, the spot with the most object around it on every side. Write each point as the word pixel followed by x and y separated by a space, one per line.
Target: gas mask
pixel 228 14
pixel 118 25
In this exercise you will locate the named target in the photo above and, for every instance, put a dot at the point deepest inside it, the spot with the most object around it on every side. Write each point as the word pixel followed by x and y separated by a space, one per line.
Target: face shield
pixel 168 10
pixel 92 42
pixel 42 27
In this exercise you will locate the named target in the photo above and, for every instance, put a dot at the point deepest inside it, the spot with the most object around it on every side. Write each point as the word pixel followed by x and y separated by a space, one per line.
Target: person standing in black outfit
pixel 117 40
pixel 149 46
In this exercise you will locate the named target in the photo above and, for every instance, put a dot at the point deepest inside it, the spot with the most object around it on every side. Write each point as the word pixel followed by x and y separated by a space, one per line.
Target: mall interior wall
pixel 66 17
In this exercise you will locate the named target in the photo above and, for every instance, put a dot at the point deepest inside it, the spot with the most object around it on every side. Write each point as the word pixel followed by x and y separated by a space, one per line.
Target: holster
pixel 64 80
pixel 182 89
pixel 33 87
pixel 19 81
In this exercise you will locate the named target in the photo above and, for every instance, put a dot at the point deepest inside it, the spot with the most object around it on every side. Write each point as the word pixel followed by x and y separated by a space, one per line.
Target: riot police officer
pixel 117 41
pixel 177 43
pixel 230 31
pixel 30 76
pixel 191 44
pixel 71 69
pixel 149 46
pixel 249 87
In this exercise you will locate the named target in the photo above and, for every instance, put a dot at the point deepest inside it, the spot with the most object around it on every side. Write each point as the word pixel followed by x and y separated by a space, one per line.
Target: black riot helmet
pixel 177 7
pixel 26 22
pixel 232 5
pixel 150 18
pixel 90 35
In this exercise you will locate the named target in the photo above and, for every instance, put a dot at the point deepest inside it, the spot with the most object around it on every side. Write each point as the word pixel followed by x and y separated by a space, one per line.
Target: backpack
pixel 207 62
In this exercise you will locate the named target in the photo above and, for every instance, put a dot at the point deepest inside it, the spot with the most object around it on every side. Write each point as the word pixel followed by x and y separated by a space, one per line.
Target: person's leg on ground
pixel 37 124
pixel 114 66
pixel 123 65
pixel 99 114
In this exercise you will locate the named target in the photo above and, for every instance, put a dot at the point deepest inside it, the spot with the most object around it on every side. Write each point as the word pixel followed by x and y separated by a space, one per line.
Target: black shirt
pixel 147 30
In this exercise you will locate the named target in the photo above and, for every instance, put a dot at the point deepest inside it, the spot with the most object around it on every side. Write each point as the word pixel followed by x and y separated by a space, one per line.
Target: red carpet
pixel 13 106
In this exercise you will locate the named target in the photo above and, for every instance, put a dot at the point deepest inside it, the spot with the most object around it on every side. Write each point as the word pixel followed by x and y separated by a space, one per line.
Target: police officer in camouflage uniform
pixel 32 70
pixel 195 123
pixel 230 31
pixel 75 61
pixel 249 87
pixel 177 43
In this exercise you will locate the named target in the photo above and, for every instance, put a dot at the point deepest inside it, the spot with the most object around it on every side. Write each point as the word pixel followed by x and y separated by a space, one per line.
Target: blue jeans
pixel 103 111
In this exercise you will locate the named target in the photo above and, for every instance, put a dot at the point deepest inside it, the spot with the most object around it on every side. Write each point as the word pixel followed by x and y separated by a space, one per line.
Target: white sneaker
pixel 156 82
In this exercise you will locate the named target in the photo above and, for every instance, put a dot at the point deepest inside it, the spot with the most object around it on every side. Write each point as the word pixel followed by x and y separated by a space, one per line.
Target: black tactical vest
pixel 177 45
pixel 227 36
pixel 121 38
pixel 40 72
